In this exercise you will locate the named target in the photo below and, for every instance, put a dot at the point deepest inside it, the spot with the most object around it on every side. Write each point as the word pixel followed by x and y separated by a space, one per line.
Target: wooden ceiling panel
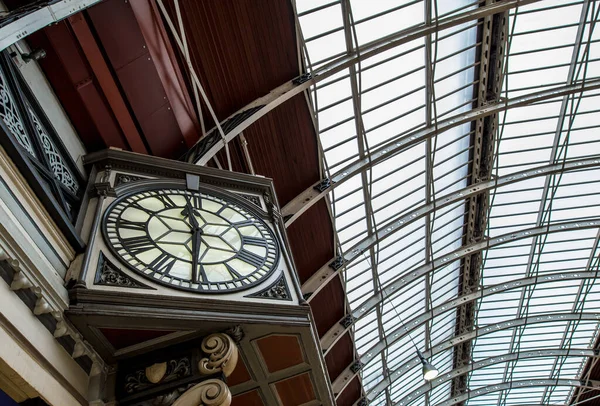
pixel 350 393
pixel 339 357
pixel 311 240
pixel 247 399
pixel 296 391
pixel 242 48
pixel 240 374
pixel 280 352
pixel 121 338
pixel 328 306
pixel 283 147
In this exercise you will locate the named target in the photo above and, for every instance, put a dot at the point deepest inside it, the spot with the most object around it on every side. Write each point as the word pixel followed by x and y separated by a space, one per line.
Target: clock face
pixel 190 240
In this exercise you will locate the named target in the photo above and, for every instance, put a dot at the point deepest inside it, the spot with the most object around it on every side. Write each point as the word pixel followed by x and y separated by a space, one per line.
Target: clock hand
pixel 196 232
pixel 190 213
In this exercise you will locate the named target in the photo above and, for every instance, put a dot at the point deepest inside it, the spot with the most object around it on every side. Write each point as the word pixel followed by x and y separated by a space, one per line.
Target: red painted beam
pixel 107 83
pixel 126 51
pixel 163 56
pixel 74 83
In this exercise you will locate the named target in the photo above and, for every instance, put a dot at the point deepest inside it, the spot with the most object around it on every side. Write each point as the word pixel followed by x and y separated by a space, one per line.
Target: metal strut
pixel 482 161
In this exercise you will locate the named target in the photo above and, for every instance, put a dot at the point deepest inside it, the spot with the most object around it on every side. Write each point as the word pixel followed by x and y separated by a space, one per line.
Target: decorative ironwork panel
pixel 108 274
pixel 56 161
pixel 36 149
pixel 11 117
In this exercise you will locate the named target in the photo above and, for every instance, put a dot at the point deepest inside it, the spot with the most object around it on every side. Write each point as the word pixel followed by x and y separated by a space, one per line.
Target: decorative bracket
pixel 212 392
pixel 278 290
pixel 222 355
pixel 302 78
pixel 337 263
pixel 323 185
pixel 348 320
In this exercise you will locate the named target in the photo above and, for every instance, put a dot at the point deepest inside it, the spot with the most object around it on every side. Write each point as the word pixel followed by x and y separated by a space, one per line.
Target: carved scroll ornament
pixel 222 355
pixel 212 392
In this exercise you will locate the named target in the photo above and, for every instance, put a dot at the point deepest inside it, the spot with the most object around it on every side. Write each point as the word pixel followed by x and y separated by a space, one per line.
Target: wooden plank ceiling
pixel 109 74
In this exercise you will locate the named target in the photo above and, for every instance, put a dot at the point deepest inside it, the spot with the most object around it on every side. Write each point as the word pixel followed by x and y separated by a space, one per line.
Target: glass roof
pixel 476 239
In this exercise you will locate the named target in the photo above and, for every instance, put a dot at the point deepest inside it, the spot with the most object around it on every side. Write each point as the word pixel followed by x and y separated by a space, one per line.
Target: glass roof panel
pixel 462 189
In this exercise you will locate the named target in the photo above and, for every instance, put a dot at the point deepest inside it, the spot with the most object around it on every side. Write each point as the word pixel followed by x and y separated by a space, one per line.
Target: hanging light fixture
pixel 429 371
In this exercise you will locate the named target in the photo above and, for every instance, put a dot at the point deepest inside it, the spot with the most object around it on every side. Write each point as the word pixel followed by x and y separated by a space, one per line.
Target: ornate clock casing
pixel 186 231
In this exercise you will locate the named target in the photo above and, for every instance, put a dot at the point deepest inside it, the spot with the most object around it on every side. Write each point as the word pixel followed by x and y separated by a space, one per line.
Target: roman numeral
pixel 202 274
pixel 196 201
pixel 233 272
pixel 162 264
pixel 137 245
pixel 132 225
pixel 244 223
pixel 166 200
pixel 254 241
pixel 250 258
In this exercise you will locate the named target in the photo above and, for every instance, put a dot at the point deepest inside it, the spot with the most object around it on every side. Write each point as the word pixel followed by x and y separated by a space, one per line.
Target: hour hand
pixel 189 211
pixel 196 232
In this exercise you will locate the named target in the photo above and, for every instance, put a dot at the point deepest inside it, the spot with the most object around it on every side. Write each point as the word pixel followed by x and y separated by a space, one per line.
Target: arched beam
pixel 351 371
pixel 522 383
pixel 337 331
pixel 328 271
pixel 208 146
pixel 511 356
pixel 40 18
pixel 310 196
pixel 476 333
pixel 417 273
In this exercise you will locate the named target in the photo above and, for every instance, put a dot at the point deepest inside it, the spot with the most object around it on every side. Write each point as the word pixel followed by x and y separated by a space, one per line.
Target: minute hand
pixel 196 232
pixel 195 253
pixel 190 213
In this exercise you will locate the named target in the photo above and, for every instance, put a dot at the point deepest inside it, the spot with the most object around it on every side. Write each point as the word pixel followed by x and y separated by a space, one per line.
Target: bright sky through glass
pixel 542 293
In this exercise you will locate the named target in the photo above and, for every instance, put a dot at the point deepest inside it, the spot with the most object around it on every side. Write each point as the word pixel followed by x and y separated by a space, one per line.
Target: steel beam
pixel 511 356
pixel 524 383
pixel 38 19
pixel 205 149
pixel 313 194
pixel 106 80
pixel 482 153
pixel 328 271
pixel 371 303
pixel 476 333
pixel 331 337
pixel 349 31
pixel 445 260
pixel 410 325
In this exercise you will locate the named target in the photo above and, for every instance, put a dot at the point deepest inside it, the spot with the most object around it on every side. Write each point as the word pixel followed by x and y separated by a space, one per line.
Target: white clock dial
pixel 191 240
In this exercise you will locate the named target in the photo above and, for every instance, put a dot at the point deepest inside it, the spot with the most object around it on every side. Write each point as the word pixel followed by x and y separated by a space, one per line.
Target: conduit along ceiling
pixel 461 155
